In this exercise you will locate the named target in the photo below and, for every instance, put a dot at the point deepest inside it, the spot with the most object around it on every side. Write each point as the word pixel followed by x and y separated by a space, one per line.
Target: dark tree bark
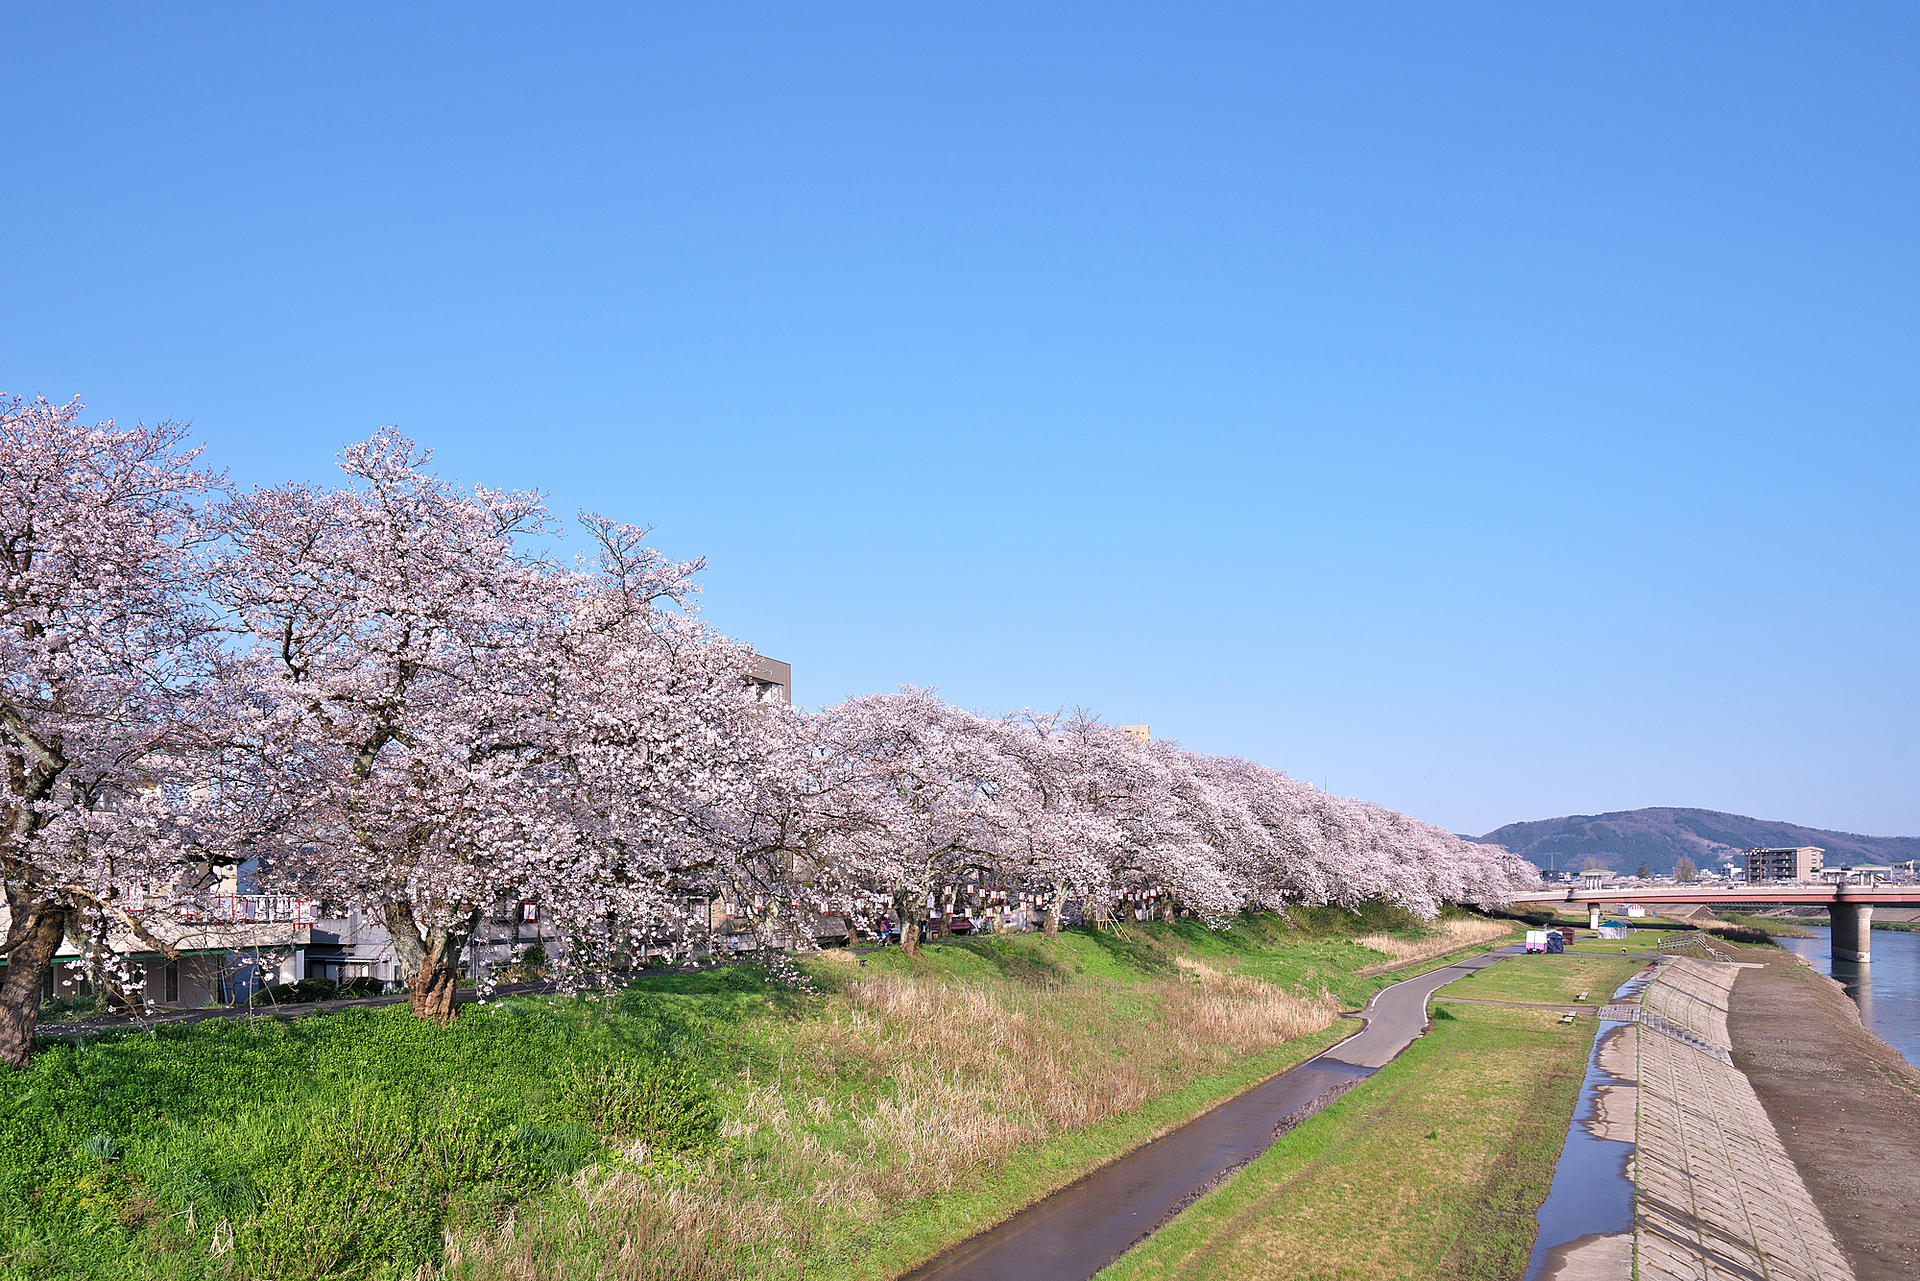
pixel 36 933
pixel 904 907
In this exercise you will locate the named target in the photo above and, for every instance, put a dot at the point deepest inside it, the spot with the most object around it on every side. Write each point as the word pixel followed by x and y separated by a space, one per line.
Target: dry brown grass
pixel 1449 935
pixel 623 1225
pixel 903 1087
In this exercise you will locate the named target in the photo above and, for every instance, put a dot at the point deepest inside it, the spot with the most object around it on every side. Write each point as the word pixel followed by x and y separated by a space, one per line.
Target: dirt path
pixel 1845 1104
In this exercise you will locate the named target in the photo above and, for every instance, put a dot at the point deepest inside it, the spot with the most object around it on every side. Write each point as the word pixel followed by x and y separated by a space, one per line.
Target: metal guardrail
pixel 1694 938
pixel 1668 1028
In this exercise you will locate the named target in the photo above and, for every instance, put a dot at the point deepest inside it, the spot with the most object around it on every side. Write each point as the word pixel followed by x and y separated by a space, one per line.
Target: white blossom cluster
pixel 380 692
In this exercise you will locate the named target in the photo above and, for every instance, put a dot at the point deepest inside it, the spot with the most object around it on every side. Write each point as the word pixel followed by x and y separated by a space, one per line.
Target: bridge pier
pixel 1593 917
pixel 1852 930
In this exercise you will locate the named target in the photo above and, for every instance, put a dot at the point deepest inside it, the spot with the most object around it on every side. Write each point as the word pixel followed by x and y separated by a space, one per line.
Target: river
pixel 1887 989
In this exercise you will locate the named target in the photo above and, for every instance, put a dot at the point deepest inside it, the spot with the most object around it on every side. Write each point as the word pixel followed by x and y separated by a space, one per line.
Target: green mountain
pixel 1660 836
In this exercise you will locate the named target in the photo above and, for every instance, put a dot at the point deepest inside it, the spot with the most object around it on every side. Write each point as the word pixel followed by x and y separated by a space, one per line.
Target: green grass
pixel 348 1145
pixel 1309 951
pixel 1778 926
pixel 341 1145
pixel 1546 979
pixel 1434 1166
pixel 1637 942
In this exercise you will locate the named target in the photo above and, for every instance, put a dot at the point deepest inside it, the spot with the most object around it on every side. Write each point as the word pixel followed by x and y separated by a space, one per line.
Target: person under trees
pixel 106 665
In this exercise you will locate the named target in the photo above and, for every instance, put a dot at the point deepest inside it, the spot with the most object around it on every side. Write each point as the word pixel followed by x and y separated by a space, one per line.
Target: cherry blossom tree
pixel 917 792
pixel 1063 826
pixel 402 637
pixel 655 739
pixel 453 721
pixel 105 659
pixel 1287 864
pixel 1163 830
pixel 430 718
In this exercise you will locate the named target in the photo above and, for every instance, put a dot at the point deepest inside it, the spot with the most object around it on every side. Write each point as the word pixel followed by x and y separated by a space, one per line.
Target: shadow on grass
pixel 1136 951
pixel 1019 964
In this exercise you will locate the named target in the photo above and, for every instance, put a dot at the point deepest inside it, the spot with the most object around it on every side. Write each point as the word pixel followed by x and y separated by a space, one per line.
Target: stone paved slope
pixel 1718 1198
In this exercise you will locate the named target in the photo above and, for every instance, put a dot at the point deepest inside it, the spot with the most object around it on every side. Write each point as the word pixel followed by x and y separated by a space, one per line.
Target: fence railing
pixel 249 909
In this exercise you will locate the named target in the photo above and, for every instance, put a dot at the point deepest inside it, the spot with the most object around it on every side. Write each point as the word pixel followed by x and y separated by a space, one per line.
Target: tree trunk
pixel 431 990
pixel 429 959
pixel 1054 911
pixel 38 936
pixel 903 907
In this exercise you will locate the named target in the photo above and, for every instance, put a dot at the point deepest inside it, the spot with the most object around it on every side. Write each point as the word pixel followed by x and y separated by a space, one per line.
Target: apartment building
pixel 769 680
pixel 1801 864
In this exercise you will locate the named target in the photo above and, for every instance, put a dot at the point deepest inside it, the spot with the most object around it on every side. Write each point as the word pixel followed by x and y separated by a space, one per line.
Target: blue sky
pixel 1495 411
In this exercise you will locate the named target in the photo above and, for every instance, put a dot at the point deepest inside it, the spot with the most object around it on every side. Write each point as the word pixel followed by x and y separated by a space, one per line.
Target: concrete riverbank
pixel 1717 1195
pixel 1846 1107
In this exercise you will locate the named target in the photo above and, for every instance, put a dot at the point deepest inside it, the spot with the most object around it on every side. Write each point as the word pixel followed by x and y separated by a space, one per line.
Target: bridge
pixel 1849 907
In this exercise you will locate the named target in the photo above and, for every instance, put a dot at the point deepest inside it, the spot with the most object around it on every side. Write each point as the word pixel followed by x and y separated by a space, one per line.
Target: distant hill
pixel 1659 836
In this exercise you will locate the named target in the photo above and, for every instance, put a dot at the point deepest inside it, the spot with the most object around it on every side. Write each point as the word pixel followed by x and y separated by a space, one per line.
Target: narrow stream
pixel 1078 1230
pixel 1592 1193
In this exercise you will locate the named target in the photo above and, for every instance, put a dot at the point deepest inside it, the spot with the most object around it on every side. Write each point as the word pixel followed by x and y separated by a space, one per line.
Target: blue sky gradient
pixel 1495 411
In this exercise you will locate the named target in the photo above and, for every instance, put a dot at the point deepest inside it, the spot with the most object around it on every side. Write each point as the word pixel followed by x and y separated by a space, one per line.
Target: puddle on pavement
pixel 1587 1217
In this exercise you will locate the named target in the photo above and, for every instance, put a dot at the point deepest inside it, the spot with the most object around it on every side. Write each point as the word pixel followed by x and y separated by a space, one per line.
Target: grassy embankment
pixel 1433 1167
pixel 1546 980
pixel 708 1125
pixel 1785 927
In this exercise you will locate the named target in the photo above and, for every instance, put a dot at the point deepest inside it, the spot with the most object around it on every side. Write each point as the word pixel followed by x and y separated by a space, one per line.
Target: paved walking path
pixel 1718 1199
pixel 1547 1006
pixel 1077 1231
pixel 1398 1014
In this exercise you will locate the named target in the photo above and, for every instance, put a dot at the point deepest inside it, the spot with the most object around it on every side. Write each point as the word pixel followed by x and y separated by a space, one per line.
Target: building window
pixel 222 985
pixel 173 982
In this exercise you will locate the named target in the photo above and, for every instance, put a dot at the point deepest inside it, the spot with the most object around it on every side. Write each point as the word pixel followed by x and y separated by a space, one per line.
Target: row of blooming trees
pixel 384 692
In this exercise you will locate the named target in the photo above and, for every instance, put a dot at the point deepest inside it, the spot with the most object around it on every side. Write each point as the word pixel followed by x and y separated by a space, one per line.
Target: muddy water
pixel 1586 1222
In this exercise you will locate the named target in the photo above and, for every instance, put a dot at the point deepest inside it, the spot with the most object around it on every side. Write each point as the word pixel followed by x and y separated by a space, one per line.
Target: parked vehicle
pixel 1537 940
